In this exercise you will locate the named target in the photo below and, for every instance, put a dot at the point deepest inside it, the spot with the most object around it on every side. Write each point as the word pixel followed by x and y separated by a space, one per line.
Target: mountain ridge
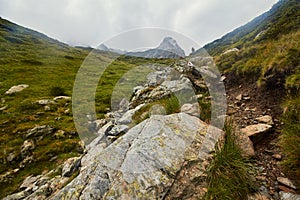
pixel 269 22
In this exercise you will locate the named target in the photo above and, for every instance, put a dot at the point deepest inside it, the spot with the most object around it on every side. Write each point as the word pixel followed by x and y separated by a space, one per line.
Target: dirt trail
pixel 258 101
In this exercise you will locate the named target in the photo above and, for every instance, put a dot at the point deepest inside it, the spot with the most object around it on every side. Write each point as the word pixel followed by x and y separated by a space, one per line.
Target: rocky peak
pixel 170 44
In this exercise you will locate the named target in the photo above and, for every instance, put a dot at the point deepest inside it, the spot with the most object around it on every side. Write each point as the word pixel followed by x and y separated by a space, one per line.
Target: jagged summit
pixel 170 44
pixel 168 48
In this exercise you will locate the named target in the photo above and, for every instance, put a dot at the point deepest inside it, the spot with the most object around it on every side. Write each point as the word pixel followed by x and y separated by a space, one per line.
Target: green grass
pixel 170 104
pixel 228 174
pixel 290 137
pixel 50 68
pixel 205 106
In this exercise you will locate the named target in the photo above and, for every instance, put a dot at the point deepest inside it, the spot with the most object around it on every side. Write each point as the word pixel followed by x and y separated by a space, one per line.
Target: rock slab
pixel 143 163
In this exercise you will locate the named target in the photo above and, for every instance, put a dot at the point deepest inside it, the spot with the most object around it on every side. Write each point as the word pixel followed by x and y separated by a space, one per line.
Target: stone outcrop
pixel 144 163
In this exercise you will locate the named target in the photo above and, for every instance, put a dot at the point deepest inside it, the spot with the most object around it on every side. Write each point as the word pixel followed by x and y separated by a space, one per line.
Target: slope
pixel 261 60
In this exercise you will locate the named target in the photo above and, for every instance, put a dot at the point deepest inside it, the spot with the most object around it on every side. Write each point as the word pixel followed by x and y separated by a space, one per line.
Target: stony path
pixel 246 103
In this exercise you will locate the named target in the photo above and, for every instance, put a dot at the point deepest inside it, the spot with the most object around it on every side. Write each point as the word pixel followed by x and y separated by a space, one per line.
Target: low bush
pixel 57 91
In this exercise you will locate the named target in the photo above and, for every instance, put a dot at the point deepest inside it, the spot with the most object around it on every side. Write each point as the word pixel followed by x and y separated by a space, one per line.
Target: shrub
pixel 57 91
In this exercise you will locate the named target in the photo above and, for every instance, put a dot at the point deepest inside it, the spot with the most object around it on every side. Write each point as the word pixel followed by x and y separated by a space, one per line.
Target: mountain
pixel 103 47
pixel 18 35
pixel 281 19
pixel 168 48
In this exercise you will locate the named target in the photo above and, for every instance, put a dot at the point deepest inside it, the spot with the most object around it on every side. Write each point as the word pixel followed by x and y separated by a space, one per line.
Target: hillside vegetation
pixel 49 67
pixel 266 52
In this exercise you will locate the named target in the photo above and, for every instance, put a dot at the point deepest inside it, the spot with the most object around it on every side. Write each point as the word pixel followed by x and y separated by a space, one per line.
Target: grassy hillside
pixel 283 18
pixel 268 54
pixel 49 67
pixel 28 57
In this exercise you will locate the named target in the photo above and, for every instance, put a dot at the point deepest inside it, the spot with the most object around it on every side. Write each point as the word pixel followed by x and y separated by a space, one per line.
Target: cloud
pixel 89 22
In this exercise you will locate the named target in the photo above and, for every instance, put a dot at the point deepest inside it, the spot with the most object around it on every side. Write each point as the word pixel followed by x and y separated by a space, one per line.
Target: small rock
pixel 208 98
pixel 17 88
pixel 230 51
pixel 62 98
pixel 3 108
pixel 39 131
pixel 199 96
pixel 29 182
pixel 245 145
pixel 223 78
pixel 11 157
pixel 247 98
pixel 60 134
pixel 231 111
pixel 45 102
pixel 191 109
pixel 70 166
pixel 277 156
pixel 288 196
pixel 47 108
pixel 53 158
pixel 104 130
pixel 260 178
pixel 239 97
pixel 27 146
pixel 27 160
pixel 117 130
pixel 266 119
pixel 256 129
pixel 286 182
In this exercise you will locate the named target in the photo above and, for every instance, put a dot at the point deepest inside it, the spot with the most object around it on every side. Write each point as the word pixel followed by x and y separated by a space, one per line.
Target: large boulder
pixel 144 163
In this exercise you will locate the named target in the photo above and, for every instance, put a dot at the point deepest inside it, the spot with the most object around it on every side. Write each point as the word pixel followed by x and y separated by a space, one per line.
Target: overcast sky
pixel 90 22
